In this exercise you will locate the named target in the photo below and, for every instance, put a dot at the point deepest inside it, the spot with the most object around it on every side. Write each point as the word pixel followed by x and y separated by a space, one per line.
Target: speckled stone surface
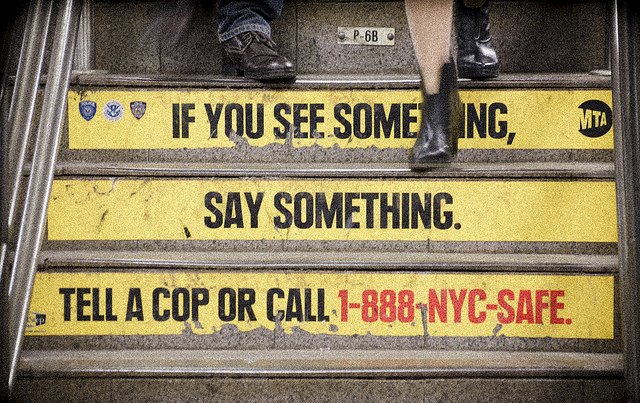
pixel 535 36
pixel 319 390
pixel 530 36
pixel 122 43
pixel 321 52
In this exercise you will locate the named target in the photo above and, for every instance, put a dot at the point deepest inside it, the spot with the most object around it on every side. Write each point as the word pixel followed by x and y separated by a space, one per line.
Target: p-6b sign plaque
pixel 366 36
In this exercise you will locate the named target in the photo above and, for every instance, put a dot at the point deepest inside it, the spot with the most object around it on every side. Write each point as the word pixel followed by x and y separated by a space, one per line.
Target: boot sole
pixel 477 72
pixel 271 75
pixel 426 166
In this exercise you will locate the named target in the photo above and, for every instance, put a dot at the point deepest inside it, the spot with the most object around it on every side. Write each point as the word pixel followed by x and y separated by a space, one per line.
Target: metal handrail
pixel 18 287
pixel 16 125
pixel 625 50
pixel 84 55
pixel 22 108
pixel 7 21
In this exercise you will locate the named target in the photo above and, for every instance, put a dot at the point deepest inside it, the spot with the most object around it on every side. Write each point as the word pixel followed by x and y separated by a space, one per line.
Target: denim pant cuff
pixel 225 36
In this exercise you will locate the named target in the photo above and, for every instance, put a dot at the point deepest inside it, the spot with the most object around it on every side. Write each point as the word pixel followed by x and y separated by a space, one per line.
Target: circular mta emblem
pixel 113 111
pixel 596 118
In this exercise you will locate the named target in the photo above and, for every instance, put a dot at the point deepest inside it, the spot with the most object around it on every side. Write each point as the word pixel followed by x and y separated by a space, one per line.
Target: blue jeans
pixel 236 17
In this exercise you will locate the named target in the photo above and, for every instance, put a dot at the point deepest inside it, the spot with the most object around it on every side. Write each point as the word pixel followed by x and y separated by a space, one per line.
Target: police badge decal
pixel 138 108
pixel 87 109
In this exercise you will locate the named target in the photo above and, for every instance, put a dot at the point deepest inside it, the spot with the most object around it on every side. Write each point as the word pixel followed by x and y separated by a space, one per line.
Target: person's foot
pixel 253 54
pixel 477 58
pixel 441 119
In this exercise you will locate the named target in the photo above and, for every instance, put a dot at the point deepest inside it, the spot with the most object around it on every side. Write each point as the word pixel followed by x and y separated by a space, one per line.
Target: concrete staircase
pixel 189 261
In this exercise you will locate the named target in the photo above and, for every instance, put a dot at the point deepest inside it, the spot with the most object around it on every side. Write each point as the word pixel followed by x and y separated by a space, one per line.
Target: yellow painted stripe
pixel 469 305
pixel 406 210
pixel 494 119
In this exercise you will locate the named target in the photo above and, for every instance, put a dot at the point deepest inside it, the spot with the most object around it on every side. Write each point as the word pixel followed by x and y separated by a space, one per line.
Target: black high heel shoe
pixel 441 119
pixel 477 58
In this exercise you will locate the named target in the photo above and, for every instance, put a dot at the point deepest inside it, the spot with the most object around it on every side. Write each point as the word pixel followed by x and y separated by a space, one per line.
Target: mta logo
pixel 596 118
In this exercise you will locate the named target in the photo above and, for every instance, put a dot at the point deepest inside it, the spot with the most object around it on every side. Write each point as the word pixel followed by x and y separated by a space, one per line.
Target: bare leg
pixel 430 27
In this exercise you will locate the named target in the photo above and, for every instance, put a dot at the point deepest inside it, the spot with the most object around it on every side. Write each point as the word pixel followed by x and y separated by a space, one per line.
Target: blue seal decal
pixel 113 111
pixel 138 108
pixel 87 109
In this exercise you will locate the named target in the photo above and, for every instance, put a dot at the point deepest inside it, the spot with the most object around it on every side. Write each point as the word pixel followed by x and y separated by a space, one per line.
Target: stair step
pixel 395 209
pixel 541 36
pixel 313 389
pixel 331 119
pixel 325 363
pixel 313 307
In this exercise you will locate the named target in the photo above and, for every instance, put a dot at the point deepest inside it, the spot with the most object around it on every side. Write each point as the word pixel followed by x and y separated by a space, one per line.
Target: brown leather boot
pixel 253 53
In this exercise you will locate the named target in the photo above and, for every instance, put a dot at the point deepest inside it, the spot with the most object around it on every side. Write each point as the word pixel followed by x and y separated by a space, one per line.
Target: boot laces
pixel 258 37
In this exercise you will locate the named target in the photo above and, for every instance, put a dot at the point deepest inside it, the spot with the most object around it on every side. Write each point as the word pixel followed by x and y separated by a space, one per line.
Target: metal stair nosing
pixel 330 261
pixel 339 81
pixel 317 363
pixel 515 170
